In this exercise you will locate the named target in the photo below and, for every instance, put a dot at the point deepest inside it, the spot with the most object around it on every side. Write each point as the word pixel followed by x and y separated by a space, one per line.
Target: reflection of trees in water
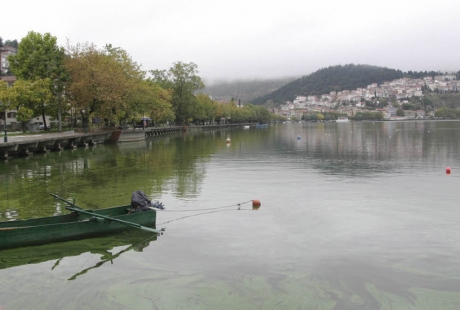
pixel 105 175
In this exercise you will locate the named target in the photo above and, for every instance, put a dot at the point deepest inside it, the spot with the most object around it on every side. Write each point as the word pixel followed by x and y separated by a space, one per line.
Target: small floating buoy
pixel 447 170
pixel 228 139
pixel 255 204
pixel 298 137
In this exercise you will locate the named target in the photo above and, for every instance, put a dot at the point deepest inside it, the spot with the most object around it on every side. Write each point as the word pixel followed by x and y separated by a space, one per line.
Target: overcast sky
pixel 245 39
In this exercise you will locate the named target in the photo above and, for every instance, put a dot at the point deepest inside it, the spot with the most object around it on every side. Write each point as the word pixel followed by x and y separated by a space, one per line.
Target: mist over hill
pixel 244 90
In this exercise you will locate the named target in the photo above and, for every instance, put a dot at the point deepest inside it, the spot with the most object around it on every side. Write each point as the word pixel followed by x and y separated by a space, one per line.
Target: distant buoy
pixel 228 139
pixel 447 170
pixel 298 137
pixel 256 204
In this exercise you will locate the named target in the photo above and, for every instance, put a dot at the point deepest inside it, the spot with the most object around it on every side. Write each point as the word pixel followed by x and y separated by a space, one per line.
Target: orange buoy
pixel 447 170
pixel 256 204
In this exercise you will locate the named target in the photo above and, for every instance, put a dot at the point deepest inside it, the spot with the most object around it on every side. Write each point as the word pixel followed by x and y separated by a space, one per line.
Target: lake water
pixel 353 216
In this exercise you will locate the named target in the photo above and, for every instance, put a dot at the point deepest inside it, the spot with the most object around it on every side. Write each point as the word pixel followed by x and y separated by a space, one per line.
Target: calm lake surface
pixel 353 216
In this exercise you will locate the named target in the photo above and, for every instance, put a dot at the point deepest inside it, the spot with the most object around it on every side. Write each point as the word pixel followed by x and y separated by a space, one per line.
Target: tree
pixel 40 60
pixel 101 81
pixel 152 100
pixel 160 110
pixel 40 98
pixel 399 112
pixel 209 106
pixel 4 96
pixel 38 57
pixel 18 98
pixel 184 81
pixel 12 43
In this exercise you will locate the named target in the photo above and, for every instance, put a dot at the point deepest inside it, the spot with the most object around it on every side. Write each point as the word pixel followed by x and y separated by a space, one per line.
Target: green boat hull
pixel 71 226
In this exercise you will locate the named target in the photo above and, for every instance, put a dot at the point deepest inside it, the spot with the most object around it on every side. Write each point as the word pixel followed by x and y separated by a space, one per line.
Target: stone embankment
pixel 26 145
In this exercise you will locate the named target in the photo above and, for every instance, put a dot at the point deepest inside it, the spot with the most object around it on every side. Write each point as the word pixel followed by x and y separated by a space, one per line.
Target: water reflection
pixel 105 175
pixel 109 249
pixel 356 147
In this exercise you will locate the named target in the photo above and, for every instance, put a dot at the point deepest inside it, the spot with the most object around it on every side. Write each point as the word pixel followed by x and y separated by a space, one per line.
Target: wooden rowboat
pixel 78 224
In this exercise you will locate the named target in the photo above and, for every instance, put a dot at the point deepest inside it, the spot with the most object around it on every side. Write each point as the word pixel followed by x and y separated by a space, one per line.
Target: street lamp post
pixel 84 119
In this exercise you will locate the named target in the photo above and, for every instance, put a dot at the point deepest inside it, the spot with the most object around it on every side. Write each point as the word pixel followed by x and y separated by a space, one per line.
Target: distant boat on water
pixel 262 126
pixel 342 119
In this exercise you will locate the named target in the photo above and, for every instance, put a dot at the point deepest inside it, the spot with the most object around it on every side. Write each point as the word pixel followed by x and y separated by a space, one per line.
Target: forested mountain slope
pixel 334 78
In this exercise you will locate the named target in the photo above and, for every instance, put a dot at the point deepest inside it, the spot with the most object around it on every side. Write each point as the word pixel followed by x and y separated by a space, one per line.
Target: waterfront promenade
pixel 27 144
pixel 18 137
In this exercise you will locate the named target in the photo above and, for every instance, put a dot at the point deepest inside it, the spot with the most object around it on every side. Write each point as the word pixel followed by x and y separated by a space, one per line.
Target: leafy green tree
pixel 399 112
pixel 4 96
pixel 161 108
pixel 152 100
pixel 41 98
pixel 20 99
pixel 368 115
pixel 184 81
pixel 441 112
pixel 262 114
pixel 102 81
pixel 208 107
pixel 40 59
pixel 250 113
pixel 359 116
pixel 161 77
pixel 279 118
pixel 12 43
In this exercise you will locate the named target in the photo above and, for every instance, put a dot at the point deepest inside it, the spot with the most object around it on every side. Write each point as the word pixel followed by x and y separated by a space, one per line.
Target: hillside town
pixel 349 102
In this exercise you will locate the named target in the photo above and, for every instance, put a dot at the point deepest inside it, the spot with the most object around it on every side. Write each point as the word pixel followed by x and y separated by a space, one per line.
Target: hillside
pixel 245 90
pixel 446 100
pixel 334 78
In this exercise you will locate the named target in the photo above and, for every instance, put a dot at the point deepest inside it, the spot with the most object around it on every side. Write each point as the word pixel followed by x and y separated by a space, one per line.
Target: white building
pixel 5 51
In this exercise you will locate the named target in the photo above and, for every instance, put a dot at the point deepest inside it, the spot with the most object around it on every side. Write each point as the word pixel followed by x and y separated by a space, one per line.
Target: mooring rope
pixel 204 209
pixel 215 211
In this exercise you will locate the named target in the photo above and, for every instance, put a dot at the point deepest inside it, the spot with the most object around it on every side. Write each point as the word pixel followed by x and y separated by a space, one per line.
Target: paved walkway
pixel 26 138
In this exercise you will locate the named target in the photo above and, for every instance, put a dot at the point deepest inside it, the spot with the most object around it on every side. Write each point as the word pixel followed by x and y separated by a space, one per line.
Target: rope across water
pixel 213 210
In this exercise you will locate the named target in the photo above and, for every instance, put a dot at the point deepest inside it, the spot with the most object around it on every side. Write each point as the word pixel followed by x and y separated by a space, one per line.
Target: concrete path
pixel 39 136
